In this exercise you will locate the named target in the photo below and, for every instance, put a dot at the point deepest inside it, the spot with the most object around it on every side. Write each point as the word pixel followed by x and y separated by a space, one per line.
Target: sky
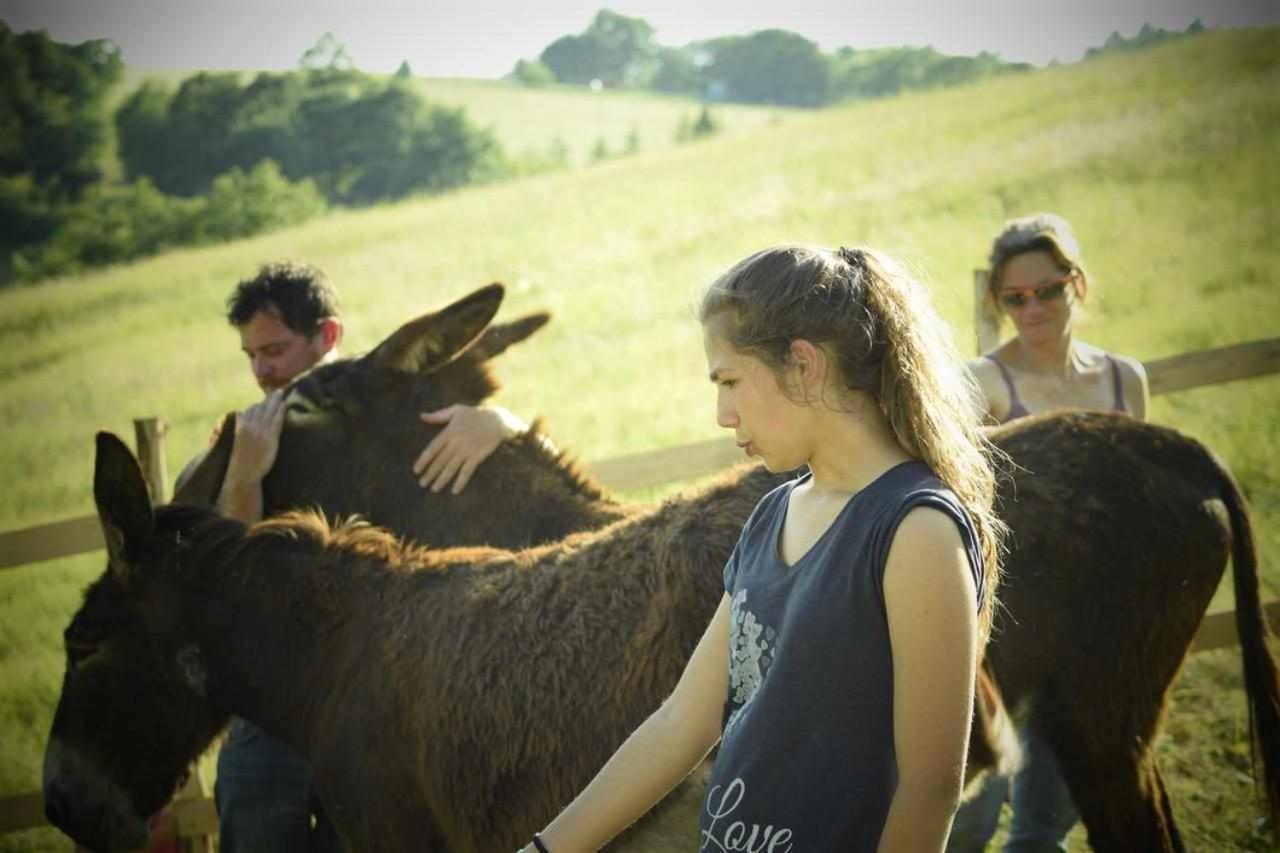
pixel 484 38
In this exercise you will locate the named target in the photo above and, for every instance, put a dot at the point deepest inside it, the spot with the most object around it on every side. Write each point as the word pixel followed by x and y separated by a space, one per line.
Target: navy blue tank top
pixel 806 760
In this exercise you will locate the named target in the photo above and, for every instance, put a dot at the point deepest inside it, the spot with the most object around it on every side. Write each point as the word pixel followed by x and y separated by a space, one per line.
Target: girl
pixel 838 671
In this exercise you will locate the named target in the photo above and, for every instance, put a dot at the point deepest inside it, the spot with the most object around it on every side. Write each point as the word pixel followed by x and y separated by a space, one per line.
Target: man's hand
pixel 257 440
pixel 470 434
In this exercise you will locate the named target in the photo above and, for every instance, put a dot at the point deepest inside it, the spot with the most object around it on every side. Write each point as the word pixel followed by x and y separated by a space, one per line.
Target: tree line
pixel 771 66
pixel 210 159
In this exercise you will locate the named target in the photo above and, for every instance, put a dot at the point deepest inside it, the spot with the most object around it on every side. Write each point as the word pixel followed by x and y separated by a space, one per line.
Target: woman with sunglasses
pixel 1039 282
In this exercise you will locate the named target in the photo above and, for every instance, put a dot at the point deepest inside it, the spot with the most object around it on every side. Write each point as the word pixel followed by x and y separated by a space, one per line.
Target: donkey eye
pixel 80 643
pixel 78 651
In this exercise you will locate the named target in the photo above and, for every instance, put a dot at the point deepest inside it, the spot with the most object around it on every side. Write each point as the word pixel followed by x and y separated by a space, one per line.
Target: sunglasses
pixel 1045 293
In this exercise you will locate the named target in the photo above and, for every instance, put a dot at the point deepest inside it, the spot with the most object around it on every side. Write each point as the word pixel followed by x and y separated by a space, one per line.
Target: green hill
pixel 1165 160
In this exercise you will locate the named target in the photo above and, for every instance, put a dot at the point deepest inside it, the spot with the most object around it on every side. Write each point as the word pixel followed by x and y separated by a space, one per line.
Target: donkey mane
pixel 571 473
pixel 352 536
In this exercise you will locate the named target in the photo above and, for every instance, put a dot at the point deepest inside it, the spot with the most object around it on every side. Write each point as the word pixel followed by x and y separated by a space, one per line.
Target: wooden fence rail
pixel 633 471
pixel 193 811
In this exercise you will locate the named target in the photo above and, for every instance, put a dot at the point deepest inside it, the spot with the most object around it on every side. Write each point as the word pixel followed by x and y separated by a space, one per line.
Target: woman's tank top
pixel 1017 409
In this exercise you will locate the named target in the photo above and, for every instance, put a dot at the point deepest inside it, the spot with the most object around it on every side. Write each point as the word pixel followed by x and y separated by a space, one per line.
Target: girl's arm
pixel 930 599
pixel 661 752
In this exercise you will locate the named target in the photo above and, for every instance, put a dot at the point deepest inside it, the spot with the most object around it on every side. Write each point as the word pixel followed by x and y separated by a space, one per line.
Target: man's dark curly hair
pixel 299 294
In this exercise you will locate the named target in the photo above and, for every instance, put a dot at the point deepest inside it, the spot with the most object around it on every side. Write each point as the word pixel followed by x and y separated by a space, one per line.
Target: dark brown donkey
pixel 1121 532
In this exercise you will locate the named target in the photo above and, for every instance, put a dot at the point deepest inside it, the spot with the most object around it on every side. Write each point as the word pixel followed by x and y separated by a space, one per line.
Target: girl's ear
pixel 810 364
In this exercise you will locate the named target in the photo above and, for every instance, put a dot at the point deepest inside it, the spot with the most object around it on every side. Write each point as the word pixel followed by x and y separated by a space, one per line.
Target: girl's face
pixel 766 423
pixel 1038 295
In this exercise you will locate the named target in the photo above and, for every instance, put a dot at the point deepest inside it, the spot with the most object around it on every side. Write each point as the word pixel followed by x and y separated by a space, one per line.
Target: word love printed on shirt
pixel 738 835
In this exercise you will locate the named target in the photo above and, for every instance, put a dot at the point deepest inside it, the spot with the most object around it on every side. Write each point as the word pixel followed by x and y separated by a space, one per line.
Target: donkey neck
pixel 527 493
pixel 268 613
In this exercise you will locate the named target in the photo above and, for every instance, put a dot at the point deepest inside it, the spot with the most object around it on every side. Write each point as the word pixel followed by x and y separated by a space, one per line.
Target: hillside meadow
pixel 532 123
pixel 1167 162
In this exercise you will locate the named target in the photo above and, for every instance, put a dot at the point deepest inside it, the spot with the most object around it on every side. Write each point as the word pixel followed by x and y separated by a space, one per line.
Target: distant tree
pixel 1146 36
pixel 572 59
pixel 404 72
pixel 888 71
pixel 632 145
pixel 614 49
pixel 624 46
pixel 705 125
pixel 263 126
pixel 119 222
pixel 52 99
pixel 141 131
pixel 359 138
pixel 678 72
pixel 770 67
pixel 600 151
pixel 532 73
pixel 110 224
pixel 52 130
pixel 327 54
pixel 181 142
pixel 241 203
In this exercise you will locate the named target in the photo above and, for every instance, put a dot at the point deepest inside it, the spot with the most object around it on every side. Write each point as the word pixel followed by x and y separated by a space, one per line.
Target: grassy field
pixel 1167 161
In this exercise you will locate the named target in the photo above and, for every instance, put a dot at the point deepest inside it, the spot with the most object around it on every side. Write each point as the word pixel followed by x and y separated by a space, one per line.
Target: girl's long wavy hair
pixel 888 342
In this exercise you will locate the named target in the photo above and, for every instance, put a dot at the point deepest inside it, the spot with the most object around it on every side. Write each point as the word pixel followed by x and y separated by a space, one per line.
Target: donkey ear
pixel 124 505
pixel 499 336
pixel 200 483
pixel 430 342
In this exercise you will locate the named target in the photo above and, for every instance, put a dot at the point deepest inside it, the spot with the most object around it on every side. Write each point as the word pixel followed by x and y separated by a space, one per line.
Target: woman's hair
pixel 1039 232
pixel 888 342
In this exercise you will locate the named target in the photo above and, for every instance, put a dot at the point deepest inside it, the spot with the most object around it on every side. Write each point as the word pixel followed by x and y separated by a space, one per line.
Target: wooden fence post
pixel 986 319
pixel 150 434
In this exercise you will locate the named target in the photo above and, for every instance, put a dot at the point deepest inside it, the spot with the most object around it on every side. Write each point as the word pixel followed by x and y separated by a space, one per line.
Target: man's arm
pixel 257 440
pixel 470 435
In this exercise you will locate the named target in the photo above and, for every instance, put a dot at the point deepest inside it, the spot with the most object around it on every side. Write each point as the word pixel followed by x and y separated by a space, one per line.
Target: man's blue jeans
pixel 264 797
pixel 1043 812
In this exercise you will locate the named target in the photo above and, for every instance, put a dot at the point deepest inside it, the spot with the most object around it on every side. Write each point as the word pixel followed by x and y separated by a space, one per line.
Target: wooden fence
pixel 193 814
